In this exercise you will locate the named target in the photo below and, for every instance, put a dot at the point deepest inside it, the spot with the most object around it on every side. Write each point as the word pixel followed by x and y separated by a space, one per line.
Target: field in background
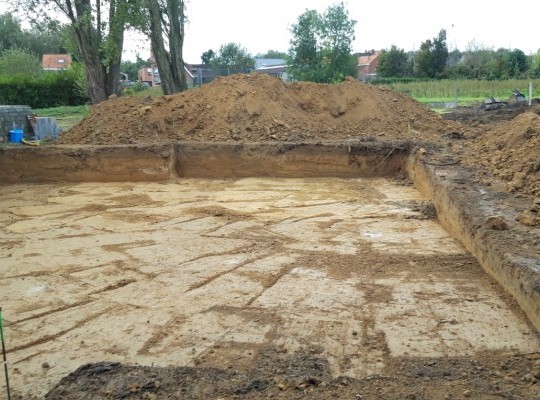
pixel 464 92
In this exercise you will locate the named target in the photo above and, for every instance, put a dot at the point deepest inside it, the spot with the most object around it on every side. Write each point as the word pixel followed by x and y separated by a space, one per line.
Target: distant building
pixel 269 62
pixel 198 74
pixel 272 66
pixel 149 75
pixel 367 65
pixel 56 62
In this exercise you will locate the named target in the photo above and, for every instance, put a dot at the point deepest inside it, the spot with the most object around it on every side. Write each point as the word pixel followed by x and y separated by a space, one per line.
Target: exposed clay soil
pixel 259 108
pixel 502 145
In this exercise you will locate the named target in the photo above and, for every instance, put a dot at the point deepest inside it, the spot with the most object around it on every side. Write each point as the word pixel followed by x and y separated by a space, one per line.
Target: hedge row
pixel 49 90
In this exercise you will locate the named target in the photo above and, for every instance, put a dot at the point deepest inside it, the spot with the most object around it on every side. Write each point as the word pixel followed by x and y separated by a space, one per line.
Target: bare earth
pixel 267 288
pixel 502 144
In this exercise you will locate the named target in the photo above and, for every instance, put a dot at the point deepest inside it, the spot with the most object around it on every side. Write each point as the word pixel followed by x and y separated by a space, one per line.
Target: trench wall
pixel 197 160
pixel 461 208
pixel 464 211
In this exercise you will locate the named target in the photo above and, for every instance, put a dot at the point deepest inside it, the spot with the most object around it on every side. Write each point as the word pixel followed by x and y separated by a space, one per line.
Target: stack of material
pixel 45 128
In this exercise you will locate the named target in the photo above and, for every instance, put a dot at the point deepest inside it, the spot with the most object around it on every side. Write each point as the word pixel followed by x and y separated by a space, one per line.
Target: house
pixel 367 65
pixel 149 75
pixel 272 66
pixel 56 62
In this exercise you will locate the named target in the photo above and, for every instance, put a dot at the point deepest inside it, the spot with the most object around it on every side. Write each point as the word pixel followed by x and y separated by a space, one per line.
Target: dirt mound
pixel 258 107
pixel 510 151
pixel 304 375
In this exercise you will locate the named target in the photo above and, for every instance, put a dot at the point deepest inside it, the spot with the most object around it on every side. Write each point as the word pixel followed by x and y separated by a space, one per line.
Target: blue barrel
pixel 15 135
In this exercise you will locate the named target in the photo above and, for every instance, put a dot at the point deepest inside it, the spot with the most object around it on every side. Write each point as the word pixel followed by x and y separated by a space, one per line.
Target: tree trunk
pixel 117 16
pixel 176 42
pixel 102 81
pixel 95 77
pixel 158 48
pixel 170 64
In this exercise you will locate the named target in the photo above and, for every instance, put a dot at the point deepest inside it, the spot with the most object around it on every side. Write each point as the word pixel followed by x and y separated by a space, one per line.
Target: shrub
pixel 52 89
pixel 20 63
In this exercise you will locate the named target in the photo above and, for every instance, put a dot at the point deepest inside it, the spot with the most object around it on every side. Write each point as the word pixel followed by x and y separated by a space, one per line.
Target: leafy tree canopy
pixel 232 56
pixel 20 62
pixel 392 63
pixel 43 38
pixel 272 54
pixel 432 57
pixel 321 46
pixel 207 56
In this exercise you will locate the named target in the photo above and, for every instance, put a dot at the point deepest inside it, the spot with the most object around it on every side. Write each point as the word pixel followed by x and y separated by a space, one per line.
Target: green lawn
pixel 66 116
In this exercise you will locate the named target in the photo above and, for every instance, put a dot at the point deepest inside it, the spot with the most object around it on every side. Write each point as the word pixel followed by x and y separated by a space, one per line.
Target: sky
pixel 259 26
pixel 262 25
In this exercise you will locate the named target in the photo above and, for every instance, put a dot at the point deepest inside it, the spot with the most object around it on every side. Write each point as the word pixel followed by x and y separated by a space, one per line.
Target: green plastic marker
pixel 4 354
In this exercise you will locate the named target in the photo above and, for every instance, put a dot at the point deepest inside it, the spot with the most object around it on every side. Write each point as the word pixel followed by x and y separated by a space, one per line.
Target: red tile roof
pixel 56 61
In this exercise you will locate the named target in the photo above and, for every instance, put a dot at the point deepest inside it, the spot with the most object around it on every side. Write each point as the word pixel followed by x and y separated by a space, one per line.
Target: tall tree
pixel 305 48
pixel 11 34
pixel 432 57
pixel 207 56
pixel 166 31
pixel 272 54
pixel 321 45
pixel 98 29
pixel 42 38
pixel 518 62
pixel 232 57
pixel 392 62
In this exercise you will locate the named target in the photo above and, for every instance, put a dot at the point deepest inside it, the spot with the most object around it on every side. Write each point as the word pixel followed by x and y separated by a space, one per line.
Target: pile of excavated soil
pixel 258 107
pixel 511 151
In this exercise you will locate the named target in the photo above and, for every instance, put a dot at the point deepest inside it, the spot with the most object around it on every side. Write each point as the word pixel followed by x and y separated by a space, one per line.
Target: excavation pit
pixel 212 273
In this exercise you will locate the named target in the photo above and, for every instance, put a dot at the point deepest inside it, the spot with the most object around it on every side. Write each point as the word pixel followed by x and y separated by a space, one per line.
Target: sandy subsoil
pixel 267 288
pixel 251 288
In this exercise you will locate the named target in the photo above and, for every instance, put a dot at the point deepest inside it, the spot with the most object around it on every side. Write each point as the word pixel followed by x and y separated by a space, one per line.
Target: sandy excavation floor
pixel 208 273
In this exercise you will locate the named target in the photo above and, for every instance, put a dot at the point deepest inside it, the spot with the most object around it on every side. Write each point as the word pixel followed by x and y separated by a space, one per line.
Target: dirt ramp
pixel 257 108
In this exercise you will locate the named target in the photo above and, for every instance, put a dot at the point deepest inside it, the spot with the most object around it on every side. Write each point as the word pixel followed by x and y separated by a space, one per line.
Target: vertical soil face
pixel 252 288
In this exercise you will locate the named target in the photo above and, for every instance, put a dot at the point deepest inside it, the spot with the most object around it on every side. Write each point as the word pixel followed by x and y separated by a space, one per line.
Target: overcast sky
pixel 262 25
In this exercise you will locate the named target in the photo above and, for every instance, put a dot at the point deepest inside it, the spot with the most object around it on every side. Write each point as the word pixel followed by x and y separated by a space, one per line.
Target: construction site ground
pixel 269 287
